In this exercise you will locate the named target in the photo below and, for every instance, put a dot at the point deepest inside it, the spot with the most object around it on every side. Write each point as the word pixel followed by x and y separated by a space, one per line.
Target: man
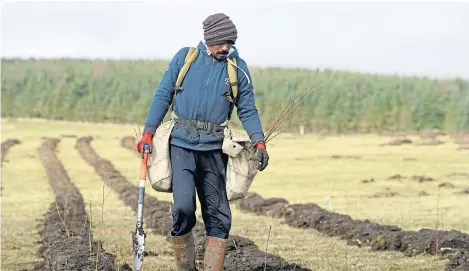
pixel 197 161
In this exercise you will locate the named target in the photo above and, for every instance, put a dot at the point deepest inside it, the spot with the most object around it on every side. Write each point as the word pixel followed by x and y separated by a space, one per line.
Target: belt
pixel 193 126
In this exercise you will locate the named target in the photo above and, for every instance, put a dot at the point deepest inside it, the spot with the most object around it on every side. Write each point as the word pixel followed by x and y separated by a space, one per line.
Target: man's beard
pixel 221 54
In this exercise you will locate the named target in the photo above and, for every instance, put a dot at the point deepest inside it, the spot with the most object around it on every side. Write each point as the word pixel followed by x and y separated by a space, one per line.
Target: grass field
pixel 344 174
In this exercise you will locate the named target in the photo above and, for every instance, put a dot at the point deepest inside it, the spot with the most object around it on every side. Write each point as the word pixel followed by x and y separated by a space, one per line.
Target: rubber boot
pixel 184 251
pixel 214 253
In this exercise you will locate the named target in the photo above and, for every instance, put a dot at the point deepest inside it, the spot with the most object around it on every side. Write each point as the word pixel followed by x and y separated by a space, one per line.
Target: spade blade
pixel 138 240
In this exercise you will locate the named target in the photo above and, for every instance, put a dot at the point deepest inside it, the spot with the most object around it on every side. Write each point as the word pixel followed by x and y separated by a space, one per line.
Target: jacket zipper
pixel 205 91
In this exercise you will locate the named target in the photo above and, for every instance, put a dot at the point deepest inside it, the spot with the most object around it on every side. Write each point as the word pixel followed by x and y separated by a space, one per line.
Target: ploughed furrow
pixel 453 244
pixel 67 239
pixel 6 146
pixel 242 253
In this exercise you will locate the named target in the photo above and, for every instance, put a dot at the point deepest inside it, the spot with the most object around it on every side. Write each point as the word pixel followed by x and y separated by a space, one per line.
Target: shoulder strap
pixel 232 75
pixel 190 57
pixel 233 78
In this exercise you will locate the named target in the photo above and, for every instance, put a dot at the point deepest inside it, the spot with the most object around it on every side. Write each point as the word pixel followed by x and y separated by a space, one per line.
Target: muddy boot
pixel 184 251
pixel 214 253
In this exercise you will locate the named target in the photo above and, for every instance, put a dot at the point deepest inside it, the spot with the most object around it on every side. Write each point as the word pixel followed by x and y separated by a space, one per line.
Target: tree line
pixel 121 91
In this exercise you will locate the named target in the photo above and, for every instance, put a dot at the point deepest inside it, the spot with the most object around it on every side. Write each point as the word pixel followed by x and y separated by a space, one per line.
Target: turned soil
pixel 6 146
pixel 129 143
pixel 67 240
pixel 452 244
pixel 242 253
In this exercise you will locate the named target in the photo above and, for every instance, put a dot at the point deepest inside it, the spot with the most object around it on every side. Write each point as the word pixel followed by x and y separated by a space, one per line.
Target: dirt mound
pixel 372 180
pixel 397 142
pixel 419 178
pixel 6 145
pixel 396 177
pixel 242 253
pixel 387 193
pixel 422 179
pixel 363 232
pixel 446 185
pixel 67 240
pixel 275 207
pixel 130 143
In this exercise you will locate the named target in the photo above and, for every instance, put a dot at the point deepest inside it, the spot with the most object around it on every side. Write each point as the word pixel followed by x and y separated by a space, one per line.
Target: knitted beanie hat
pixel 218 28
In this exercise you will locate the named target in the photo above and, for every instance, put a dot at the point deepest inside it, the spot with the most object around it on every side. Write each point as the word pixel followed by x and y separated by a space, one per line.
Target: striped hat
pixel 218 28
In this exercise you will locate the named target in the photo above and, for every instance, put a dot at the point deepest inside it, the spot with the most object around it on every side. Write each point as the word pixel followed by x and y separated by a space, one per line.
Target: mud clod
pixel 366 233
pixel 368 181
pixel 422 179
pixel 446 185
pixel 66 235
pixel 388 193
pixel 242 253
pixel 396 177
pixel 397 142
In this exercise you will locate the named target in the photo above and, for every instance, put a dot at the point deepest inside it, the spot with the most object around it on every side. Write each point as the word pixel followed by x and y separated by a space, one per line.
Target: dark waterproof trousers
pixel 204 172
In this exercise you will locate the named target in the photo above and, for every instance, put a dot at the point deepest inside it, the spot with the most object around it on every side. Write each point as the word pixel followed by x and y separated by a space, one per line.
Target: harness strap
pixel 193 126
pixel 233 83
pixel 190 57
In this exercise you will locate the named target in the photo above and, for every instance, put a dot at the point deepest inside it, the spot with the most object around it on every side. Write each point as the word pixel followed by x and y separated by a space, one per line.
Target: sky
pixel 406 38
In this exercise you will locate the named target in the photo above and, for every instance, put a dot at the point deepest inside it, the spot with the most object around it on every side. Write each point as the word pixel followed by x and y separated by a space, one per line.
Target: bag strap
pixel 190 57
pixel 232 75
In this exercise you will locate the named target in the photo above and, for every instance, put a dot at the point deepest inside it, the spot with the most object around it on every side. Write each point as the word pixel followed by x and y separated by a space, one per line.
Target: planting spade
pixel 138 238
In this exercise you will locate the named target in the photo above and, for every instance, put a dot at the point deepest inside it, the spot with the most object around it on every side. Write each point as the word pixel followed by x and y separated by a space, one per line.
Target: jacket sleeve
pixel 163 96
pixel 246 105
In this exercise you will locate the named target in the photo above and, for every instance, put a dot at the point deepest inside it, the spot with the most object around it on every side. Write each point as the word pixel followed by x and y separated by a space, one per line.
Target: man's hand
pixel 147 138
pixel 262 155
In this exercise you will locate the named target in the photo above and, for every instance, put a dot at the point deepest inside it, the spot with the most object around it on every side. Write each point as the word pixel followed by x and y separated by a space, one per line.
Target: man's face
pixel 220 51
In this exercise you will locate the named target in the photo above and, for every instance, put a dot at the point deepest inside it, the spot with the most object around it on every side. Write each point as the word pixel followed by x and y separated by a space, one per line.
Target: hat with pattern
pixel 218 29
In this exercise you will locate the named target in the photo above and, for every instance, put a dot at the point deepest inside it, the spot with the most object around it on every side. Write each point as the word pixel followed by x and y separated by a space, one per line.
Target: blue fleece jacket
pixel 203 98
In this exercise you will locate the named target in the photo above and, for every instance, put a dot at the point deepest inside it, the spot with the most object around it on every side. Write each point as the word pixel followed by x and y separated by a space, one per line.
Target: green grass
pixel 301 169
